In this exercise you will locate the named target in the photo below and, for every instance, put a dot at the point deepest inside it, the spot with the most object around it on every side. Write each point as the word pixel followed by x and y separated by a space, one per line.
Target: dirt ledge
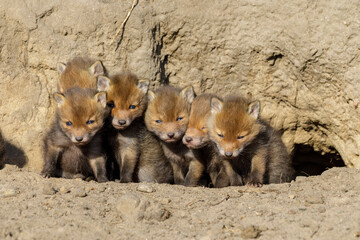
pixel 320 207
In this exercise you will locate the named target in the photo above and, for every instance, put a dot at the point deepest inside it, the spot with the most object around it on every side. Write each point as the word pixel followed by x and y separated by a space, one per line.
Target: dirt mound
pixel 320 207
pixel 300 59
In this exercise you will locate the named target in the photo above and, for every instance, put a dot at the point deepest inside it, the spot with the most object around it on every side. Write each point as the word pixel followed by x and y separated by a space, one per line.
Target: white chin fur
pixel 86 139
pixel 170 140
pixel 165 138
pixel 222 152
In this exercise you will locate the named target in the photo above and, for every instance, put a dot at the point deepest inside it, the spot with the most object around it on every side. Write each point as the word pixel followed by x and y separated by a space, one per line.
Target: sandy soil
pixel 319 207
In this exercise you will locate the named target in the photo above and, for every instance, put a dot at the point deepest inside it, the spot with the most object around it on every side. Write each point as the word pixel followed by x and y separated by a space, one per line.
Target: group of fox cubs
pixel 115 127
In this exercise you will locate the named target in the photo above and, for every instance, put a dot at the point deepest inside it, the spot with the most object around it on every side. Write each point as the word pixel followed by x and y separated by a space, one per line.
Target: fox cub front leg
pixel 235 178
pixel 98 166
pixel 51 155
pixel 196 169
pixel 258 168
pixel 127 164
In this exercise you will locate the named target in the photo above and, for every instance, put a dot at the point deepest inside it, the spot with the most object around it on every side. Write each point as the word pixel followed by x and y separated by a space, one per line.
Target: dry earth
pixel 318 207
pixel 299 58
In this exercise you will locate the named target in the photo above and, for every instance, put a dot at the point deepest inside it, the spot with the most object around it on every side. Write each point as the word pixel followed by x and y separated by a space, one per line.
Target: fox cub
pixel 127 99
pixel 167 117
pixel 79 72
pixel 196 138
pixel 252 151
pixel 73 145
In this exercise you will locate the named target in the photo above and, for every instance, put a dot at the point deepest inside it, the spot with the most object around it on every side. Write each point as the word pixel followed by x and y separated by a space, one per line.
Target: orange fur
pixel 124 92
pixel 79 72
pixel 252 152
pixel 73 145
pixel 232 122
pixel 127 100
pixel 196 135
pixel 167 117
pixel 168 106
pixel 79 108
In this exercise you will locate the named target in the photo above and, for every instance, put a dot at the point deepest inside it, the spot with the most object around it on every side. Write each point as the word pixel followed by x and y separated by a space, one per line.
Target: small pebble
pixel 145 188
pixel 89 188
pixel 7 192
pixel 292 211
pixel 314 200
pixel 183 214
pixel 48 190
pixel 165 201
pixel 64 190
pixel 128 206
pixel 101 188
pixel 251 232
pixel 154 211
pixel 79 192
pixel 291 196
pixel 322 209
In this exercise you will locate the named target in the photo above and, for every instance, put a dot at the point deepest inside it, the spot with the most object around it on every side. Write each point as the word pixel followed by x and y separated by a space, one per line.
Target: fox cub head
pixel 233 124
pixel 126 97
pixel 168 111
pixel 196 135
pixel 81 113
pixel 79 72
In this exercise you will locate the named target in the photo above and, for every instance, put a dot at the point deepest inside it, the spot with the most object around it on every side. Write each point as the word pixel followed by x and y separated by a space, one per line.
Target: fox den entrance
pixel 308 162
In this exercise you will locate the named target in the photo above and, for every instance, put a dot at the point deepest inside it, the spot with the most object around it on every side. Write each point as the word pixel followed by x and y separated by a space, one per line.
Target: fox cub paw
pixel 102 179
pixel 254 183
pixel 46 174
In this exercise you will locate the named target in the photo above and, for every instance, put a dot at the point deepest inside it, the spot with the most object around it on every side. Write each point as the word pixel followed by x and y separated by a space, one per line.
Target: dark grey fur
pixel 153 165
pixel 2 151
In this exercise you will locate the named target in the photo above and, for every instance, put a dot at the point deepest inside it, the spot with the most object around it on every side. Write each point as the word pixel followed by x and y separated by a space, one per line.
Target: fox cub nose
pixel 79 139
pixel 171 134
pixel 228 154
pixel 188 139
pixel 122 122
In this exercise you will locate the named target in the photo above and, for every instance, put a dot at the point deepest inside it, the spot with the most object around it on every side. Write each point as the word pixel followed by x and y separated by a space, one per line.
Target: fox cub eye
pixel 158 121
pixel 132 107
pixel 202 128
pixel 179 118
pixel 111 105
pixel 68 123
pixel 90 122
pixel 220 135
pixel 240 137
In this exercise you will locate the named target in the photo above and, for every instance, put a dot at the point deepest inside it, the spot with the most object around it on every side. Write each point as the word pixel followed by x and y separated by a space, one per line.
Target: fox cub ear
pixel 151 95
pixel 101 98
pixel 97 69
pixel 60 67
pixel 59 98
pixel 143 86
pixel 188 94
pixel 254 109
pixel 103 83
pixel 215 105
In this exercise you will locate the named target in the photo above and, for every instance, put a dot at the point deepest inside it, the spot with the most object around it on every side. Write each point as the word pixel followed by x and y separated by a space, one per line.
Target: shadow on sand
pixel 13 156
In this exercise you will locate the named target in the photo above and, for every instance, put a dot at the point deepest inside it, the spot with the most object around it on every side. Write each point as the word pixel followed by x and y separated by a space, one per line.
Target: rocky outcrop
pixel 301 59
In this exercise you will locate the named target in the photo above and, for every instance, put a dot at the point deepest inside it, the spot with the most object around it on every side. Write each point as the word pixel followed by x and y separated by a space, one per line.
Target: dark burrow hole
pixel 308 162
